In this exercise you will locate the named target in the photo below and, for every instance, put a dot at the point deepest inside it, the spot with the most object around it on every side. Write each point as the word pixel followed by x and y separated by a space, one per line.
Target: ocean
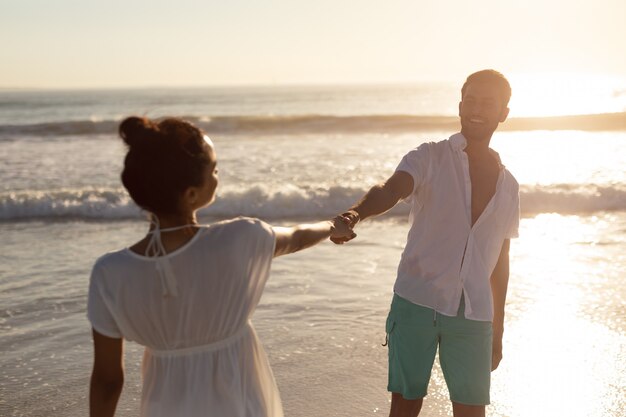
pixel 298 154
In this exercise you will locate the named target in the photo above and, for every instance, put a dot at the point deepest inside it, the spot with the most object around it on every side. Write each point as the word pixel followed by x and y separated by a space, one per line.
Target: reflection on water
pixel 565 349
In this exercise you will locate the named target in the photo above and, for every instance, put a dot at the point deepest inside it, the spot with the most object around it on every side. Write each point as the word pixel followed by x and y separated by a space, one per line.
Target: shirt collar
pixel 459 143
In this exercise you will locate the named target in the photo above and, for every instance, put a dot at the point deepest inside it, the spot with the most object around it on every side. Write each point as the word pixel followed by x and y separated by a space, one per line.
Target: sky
pixel 141 43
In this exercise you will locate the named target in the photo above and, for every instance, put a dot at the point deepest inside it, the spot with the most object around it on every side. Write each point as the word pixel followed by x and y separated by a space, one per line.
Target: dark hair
pixel 164 158
pixel 494 77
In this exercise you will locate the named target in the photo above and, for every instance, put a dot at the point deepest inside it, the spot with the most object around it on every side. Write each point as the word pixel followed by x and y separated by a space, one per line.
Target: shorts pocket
pixel 389 327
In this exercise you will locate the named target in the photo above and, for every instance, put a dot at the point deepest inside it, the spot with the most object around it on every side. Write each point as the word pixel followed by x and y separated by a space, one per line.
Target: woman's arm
pixel 293 239
pixel 107 377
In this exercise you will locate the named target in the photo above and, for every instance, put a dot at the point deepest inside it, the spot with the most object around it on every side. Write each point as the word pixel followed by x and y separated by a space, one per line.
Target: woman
pixel 185 291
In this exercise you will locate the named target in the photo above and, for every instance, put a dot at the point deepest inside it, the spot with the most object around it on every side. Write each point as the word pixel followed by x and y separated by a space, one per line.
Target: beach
pixel 298 155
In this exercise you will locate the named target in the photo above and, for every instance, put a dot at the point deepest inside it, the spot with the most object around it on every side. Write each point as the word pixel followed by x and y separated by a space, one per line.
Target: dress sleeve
pixel 260 241
pixel 416 163
pixel 98 311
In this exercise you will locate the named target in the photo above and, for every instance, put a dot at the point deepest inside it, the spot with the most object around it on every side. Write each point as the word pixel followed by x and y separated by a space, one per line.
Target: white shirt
pixel 202 356
pixel 445 256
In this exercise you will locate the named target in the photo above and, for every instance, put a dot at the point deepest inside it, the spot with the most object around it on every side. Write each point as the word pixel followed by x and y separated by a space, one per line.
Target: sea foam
pixel 285 202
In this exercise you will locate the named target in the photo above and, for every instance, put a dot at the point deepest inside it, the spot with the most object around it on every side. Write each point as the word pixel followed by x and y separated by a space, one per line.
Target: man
pixel 452 279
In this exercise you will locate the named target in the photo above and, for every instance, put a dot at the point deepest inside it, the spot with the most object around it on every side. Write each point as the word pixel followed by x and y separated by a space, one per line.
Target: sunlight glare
pixel 555 94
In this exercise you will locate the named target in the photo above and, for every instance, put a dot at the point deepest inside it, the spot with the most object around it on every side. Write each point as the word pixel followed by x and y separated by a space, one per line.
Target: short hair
pixel 490 76
pixel 164 158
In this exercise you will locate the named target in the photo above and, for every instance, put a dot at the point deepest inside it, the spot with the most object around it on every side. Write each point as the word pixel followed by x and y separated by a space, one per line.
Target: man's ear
pixel 460 102
pixel 504 114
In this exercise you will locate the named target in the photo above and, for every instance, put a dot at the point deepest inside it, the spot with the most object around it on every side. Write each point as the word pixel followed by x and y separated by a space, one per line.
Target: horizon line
pixel 226 86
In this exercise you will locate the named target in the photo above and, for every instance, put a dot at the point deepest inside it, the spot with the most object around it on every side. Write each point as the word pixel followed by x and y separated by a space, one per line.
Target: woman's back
pixel 202 357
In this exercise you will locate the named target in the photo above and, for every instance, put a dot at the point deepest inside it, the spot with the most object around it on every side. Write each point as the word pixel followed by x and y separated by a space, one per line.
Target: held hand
pixel 350 219
pixel 342 231
pixel 352 216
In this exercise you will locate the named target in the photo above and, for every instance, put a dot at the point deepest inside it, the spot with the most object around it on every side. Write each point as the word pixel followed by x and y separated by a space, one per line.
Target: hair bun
pixel 135 130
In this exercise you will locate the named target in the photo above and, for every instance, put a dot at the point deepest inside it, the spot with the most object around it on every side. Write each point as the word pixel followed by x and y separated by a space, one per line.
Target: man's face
pixel 481 110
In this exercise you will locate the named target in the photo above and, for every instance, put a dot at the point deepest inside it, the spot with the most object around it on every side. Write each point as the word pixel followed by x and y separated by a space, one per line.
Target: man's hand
pixel 341 230
pixel 496 352
pixel 378 200
pixel 350 218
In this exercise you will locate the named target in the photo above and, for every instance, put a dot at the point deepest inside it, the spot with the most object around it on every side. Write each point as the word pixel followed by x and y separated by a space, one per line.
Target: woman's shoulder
pixel 111 259
pixel 241 224
pixel 238 232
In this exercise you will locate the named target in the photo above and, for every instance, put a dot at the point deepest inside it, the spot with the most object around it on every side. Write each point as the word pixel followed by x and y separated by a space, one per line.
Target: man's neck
pixel 477 146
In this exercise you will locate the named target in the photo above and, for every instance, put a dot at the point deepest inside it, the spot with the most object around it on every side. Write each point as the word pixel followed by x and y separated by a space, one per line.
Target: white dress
pixel 202 356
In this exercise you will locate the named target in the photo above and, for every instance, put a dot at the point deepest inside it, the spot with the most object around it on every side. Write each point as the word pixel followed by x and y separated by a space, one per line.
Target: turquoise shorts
pixel 414 333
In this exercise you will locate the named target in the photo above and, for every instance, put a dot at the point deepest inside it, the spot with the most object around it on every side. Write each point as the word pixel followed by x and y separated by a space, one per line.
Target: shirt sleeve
pixel 98 312
pixel 416 163
pixel 512 231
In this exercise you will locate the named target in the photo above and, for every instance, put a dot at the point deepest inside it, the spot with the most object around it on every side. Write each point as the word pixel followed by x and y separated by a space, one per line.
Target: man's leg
pixel 465 358
pixel 464 410
pixel 412 343
pixel 401 407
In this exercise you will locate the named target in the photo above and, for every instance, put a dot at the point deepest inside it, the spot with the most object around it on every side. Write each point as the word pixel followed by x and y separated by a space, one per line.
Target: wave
pixel 303 124
pixel 288 202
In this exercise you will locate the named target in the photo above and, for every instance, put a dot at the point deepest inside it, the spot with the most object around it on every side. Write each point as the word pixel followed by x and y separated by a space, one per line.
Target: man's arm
pixel 379 199
pixel 499 285
pixel 107 377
